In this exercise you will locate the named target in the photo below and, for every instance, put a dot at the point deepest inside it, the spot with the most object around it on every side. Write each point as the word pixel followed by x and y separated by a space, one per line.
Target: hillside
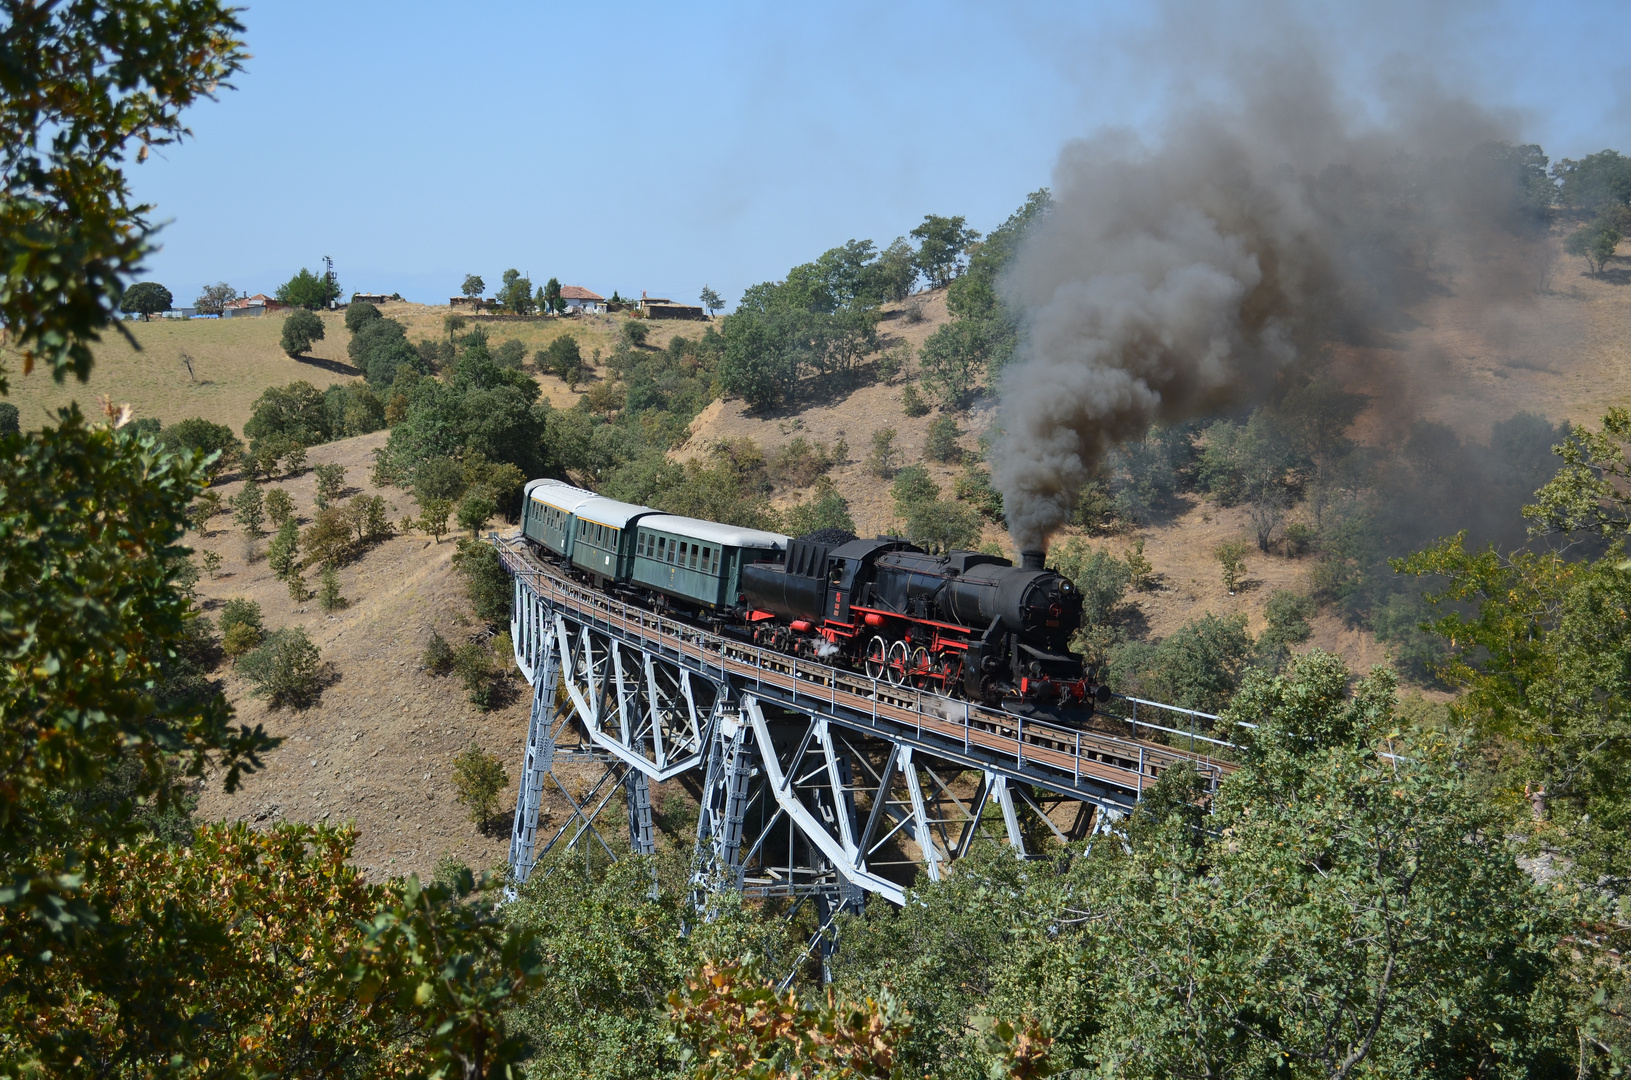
pixel 377 749
pixel 234 360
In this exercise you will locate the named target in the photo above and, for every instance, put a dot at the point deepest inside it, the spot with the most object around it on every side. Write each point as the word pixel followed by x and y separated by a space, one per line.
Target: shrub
pixel 284 669
pixel 478 777
pixel 212 562
pixel 249 509
pixel 239 640
pixel 1100 577
pixel 511 354
pixel 327 539
pixel 1199 666
pixel 941 444
pixel 294 460
pixel 241 627
pixel 913 485
pixel 205 436
pixel 486 581
pixel 279 506
pixel 885 457
pixel 1143 574
pixel 826 509
pixel 432 520
pixel 295 412
pixel 301 328
pixel 801 462
pixel 438 658
pixel 911 402
pixel 328 592
pixel 358 313
pixel 1299 539
pixel 369 519
pixel 475 510
pixel 330 482
pixel 635 331
pixel 473 664
pixel 284 552
pixel 943 525
pixel 891 362
pixel 1288 614
pixel 973 486
pixel 562 358
pixel 1231 556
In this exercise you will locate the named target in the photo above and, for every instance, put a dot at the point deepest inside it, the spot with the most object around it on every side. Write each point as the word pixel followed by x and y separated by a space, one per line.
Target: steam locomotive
pixel 963 623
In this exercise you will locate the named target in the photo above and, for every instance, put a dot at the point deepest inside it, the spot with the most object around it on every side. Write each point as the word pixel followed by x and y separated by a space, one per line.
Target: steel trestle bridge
pixel 814 782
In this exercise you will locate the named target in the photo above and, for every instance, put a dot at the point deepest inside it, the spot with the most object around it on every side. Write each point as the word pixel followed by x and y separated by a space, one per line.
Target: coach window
pixel 669 554
pixel 693 563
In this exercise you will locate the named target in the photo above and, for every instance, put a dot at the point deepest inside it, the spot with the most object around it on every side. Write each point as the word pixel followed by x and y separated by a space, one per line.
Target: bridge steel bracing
pixel 816 783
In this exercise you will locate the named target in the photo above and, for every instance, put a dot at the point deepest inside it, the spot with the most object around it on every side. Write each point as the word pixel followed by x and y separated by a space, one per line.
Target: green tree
pixel 895 272
pixel 473 287
pixel 285 668
pixel 942 241
pixel 300 329
pixel 478 777
pixel 885 456
pixel 516 293
pixel 145 298
pixel 563 358
pixel 952 361
pixel 825 509
pixel 552 301
pixel 359 313
pixel 249 509
pixel 1596 242
pixel 941 443
pixel 204 437
pixel 475 510
pixel 330 482
pixel 1595 183
pixel 96 609
pixel 295 414
pixel 711 300
pixel 283 553
pixel 486 582
pixel 328 592
pixel 279 506
pixel 308 290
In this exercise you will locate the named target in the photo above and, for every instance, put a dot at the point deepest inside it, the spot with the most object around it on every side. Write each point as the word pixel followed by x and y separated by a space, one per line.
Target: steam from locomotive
pixel 1173 280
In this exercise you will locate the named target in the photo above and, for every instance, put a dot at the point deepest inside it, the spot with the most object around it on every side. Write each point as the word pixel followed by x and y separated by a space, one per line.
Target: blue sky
pixel 659 148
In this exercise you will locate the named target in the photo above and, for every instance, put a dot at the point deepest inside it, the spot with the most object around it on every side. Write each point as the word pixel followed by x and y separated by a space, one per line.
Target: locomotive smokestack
pixel 1032 559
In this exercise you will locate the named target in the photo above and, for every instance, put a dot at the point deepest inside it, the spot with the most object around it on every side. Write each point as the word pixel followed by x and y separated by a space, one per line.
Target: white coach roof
pixel 557 493
pixel 713 532
pixel 609 512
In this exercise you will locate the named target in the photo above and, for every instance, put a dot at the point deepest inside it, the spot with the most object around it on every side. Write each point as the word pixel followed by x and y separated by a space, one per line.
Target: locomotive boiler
pixel 961 623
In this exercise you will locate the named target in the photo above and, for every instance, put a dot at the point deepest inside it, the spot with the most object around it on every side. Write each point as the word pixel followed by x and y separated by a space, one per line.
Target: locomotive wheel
pixel 951 671
pixel 921 668
pixel 899 659
pixel 877 657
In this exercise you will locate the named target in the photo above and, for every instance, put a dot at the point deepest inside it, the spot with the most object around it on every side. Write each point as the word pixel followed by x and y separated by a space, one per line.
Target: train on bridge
pixel 960 623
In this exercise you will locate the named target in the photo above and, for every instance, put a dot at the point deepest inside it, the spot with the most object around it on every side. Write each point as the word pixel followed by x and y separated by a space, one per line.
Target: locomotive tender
pixel 963 623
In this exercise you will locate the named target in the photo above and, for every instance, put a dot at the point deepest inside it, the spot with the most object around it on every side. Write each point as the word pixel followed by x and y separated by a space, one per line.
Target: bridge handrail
pixel 921 704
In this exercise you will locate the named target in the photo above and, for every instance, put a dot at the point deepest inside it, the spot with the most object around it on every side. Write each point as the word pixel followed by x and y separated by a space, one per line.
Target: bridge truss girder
pixel 801 796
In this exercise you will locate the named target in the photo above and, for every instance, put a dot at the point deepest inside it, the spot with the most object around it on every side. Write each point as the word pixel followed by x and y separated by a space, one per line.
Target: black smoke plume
pixel 1196 272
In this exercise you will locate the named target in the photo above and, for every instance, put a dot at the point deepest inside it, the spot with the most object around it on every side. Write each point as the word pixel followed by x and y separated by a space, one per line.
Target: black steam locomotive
pixel 962 623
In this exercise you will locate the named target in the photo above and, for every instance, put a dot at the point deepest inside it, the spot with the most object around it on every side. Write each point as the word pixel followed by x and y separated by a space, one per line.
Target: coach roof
pixel 713 532
pixel 556 493
pixel 609 512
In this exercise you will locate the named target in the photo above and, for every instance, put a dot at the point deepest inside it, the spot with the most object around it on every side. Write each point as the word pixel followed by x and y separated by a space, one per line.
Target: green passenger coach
pixel 698 561
pixel 548 514
pixel 604 540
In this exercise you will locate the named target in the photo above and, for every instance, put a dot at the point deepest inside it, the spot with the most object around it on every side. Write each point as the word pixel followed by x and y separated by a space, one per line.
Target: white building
pixel 581 301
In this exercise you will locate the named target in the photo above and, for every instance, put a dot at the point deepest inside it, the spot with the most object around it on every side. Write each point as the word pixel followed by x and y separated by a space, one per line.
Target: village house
pixel 580 301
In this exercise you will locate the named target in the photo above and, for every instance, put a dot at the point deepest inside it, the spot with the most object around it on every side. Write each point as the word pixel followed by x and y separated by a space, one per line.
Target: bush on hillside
pixel 438 657
pixel 941 445
pixel 285 669
pixel 301 328
pixel 486 582
pixel 9 419
pixel 478 777
pixel 241 626
pixel 295 413
pixel 562 358
pixel 206 437
pixel 511 354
